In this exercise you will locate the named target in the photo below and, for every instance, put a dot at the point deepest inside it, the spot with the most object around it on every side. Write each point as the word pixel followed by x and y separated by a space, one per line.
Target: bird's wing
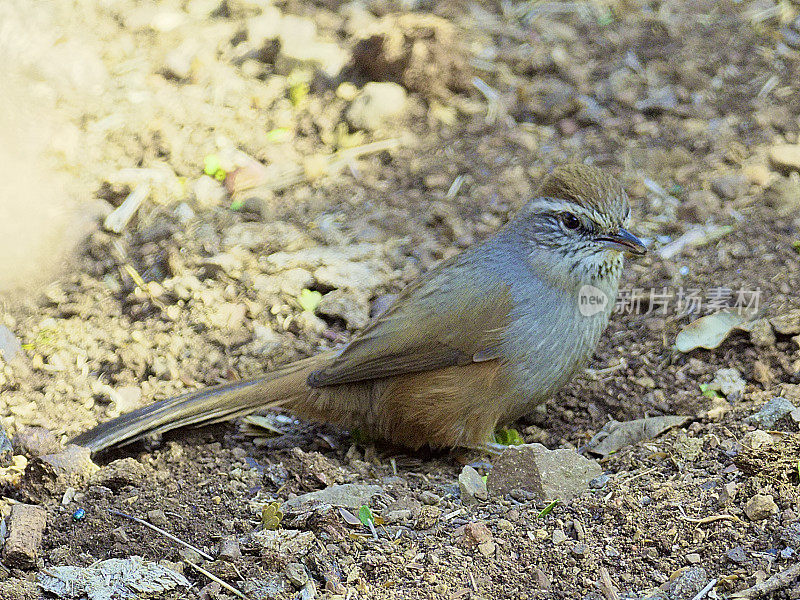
pixel 450 318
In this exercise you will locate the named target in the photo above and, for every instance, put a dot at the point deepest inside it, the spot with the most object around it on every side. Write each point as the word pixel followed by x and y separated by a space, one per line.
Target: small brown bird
pixel 479 341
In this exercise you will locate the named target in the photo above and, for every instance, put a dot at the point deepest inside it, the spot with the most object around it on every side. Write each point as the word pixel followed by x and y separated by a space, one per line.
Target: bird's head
pixel 578 223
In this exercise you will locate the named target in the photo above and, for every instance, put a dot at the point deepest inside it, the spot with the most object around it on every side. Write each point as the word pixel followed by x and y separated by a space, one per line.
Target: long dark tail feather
pixel 203 407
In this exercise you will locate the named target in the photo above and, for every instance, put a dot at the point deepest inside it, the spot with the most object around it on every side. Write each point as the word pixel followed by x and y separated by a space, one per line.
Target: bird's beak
pixel 623 241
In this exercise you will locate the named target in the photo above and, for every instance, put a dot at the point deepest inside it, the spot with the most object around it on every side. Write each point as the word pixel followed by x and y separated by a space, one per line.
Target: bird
pixel 476 343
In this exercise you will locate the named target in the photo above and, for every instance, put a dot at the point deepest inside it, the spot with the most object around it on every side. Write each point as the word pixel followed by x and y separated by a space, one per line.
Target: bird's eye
pixel 570 221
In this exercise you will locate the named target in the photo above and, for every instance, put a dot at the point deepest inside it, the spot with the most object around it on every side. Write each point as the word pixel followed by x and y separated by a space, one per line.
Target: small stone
pixel 579 550
pixel 487 549
pixel 51 474
pixel 120 536
pixel 548 474
pixel 559 537
pixel 24 538
pixel 284 542
pixel 477 533
pixel 350 305
pixel 688 583
pixel 600 482
pixel 756 439
pixel 505 524
pixel 772 412
pixel 760 507
pixel 737 555
pixel 311 323
pixel 376 104
pixel 10 346
pixel 36 441
pixel 728 381
pixel 119 473
pixel 761 334
pixel 428 517
pixel 788 323
pixel 762 373
pixel 428 497
pixel 785 157
pixel 730 186
pixel 471 485
pixel 157 517
pixel 208 192
pixel 348 495
pixel 229 549
pixel 693 558
pixel 296 574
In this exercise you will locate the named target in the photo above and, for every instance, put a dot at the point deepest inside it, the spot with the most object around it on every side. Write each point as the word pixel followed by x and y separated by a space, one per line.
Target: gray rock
pixel 688 584
pixel 300 47
pixel 730 186
pixel 296 573
pixel 772 412
pixel 760 507
pixel 6 449
pixel 229 549
pixel 290 282
pixel 284 542
pixel 472 486
pixel 350 305
pixel 737 555
pixel 119 473
pixel 348 274
pixel 728 381
pixel 548 474
pixel 785 157
pixel 9 344
pixel 348 495
pixel 376 104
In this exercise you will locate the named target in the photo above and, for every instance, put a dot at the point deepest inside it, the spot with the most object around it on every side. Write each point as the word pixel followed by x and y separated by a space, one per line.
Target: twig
pixel 118 219
pixel 702 593
pixel 213 577
pixel 774 583
pixel 167 534
pixel 706 520
pixel 607 586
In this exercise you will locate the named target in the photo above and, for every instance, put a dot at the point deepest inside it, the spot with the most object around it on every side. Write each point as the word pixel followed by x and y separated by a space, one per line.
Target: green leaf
pixel 548 509
pixel 508 437
pixel 309 299
pixel 706 390
pixel 212 164
pixel 796 246
pixel 365 515
pixel 279 134
pixel 271 516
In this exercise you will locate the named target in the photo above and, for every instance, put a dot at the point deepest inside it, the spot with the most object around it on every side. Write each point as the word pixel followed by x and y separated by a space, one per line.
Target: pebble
pixel 229 549
pixel 51 474
pixel 785 157
pixel 729 187
pixel 728 381
pixel 548 474
pixel 760 507
pixel 559 537
pixel 284 542
pixel 208 192
pixel 157 517
pixel 376 105
pixel 10 346
pixel 737 555
pixel 471 485
pixel 347 495
pixel 756 439
pixel 120 473
pixel 788 323
pixel 693 558
pixel 772 412
pixel 688 583
pixel 350 305
pixel 24 538
pixel 296 574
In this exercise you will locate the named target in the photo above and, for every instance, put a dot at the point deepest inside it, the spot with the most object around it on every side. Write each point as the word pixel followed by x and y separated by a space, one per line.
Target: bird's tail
pixel 206 406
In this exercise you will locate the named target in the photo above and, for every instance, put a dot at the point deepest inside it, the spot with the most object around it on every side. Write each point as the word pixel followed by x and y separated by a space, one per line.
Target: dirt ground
pixel 691 105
